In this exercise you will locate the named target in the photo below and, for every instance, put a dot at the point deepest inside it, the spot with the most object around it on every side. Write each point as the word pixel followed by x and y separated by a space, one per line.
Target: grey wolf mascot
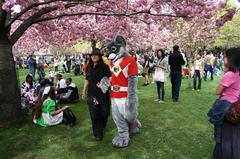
pixel 123 92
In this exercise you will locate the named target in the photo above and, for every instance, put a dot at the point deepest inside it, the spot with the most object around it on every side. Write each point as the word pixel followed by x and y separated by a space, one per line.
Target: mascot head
pixel 117 48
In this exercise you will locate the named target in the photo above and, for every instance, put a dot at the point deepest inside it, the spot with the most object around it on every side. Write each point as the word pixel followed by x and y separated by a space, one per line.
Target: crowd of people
pixel 155 67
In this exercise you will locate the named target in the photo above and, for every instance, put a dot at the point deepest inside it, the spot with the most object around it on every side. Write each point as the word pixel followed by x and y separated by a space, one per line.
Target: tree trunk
pixel 93 44
pixel 10 105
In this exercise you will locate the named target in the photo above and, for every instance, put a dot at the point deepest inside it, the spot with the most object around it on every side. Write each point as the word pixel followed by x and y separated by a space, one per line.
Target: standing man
pixel 176 61
pixel 146 68
pixel 31 62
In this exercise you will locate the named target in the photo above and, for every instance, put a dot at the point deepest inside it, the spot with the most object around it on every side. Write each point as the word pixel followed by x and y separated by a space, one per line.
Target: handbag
pixel 159 75
pixel 233 114
pixel 69 118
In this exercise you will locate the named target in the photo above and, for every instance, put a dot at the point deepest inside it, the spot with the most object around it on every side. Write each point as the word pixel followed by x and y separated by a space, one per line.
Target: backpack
pixel 69 118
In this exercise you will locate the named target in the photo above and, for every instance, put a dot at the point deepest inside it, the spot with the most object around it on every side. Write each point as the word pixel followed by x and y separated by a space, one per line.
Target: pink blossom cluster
pixel 9 4
pixel 157 25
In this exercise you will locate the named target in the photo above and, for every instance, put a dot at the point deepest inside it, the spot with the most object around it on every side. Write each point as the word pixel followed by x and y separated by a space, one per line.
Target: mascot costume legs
pixel 123 92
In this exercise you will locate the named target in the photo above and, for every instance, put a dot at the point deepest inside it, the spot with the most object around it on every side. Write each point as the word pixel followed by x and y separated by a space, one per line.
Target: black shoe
pixel 175 100
pixel 98 138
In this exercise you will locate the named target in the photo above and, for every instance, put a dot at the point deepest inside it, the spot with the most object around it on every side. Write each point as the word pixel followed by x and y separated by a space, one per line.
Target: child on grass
pixel 228 91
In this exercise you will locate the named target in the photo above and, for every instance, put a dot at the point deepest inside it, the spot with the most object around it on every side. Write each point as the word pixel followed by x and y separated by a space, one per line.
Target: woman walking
pixel 98 99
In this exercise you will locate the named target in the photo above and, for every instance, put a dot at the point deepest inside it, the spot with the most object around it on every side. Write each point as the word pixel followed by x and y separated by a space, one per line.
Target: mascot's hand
pixel 104 84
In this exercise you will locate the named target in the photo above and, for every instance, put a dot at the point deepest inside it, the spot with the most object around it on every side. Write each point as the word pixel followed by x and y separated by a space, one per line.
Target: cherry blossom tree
pixel 40 23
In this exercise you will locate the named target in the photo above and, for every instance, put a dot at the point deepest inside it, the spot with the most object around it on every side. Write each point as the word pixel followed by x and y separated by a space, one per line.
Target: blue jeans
pixel 216 116
pixel 208 68
pixel 195 77
pixel 32 71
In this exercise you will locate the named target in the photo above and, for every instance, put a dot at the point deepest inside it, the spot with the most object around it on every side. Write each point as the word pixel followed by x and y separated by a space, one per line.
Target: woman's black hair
pixel 29 76
pixel 163 53
pixel 90 66
pixel 199 53
pixel 208 52
pixel 38 108
pixel 44 82
pixel 233 58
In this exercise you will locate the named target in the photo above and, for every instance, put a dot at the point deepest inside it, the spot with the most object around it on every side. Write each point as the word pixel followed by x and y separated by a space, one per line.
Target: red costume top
pixel 120 73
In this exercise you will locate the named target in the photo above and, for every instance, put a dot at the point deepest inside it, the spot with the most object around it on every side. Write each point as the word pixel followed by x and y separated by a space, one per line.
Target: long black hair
pixel 233 58
pixel 90 66
pixel 38 108
pixel 163 53
pixel 29 76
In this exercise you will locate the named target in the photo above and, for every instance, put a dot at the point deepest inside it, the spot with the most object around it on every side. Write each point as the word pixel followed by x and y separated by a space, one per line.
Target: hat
pixel 96 51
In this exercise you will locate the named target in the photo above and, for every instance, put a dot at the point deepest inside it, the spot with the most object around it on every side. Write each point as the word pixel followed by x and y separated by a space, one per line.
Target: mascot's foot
pixel 120 142
pixel 135 127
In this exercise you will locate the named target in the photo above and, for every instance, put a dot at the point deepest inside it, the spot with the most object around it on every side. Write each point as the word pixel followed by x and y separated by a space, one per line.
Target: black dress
pixel 229 148
pixel 98 102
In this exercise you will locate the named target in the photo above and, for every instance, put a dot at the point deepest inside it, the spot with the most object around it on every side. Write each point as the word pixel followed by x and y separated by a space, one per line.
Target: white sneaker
pixel 156 100
pixel 161 102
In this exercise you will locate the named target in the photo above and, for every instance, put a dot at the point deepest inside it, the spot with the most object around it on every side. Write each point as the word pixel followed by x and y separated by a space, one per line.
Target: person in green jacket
pixel 47 113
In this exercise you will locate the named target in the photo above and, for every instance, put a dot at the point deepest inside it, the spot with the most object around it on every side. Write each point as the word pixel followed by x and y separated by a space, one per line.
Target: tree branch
pixel 27 9
pixel 31 20
pixel 103 14
pixel 2 15
pixel 34 5
pixel 27 23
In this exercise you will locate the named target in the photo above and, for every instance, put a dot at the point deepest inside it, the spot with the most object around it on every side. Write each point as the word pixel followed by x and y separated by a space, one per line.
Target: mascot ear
pixel 108 41
pixel 120 40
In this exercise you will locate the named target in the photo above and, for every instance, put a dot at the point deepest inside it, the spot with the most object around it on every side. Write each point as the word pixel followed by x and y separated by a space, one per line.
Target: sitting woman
pixel 28 91
pixel 46 113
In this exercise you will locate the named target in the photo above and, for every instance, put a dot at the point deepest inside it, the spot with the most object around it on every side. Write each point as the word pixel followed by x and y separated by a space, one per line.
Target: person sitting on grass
pixel 61 84
pixel 28 90
pixel 40 88
pixel 71 95
pixel 46 112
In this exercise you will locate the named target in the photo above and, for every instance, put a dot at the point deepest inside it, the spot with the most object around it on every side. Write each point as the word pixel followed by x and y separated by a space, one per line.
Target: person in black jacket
pixel 98 100
pixel 176 61
pixel 71 93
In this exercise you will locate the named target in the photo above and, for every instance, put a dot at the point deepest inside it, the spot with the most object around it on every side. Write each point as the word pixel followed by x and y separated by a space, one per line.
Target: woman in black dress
pixel 98 100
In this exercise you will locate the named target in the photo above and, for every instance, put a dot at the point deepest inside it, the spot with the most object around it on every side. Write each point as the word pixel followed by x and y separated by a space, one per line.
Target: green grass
pixel 170 131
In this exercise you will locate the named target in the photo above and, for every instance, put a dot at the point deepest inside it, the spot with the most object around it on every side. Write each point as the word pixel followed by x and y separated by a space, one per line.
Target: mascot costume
pixel 123 91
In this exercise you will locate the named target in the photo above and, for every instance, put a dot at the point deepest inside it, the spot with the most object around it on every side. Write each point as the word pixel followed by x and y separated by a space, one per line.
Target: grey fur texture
pixel 132 99
pixel 105 84
pixel 120 141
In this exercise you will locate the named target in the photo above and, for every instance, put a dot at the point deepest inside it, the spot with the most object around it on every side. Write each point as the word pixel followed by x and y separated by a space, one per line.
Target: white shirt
pixel 61 84
pixel 197 67
pixel 72 85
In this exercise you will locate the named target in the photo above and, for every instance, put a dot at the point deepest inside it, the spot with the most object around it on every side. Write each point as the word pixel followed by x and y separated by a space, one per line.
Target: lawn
pixel 170 131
